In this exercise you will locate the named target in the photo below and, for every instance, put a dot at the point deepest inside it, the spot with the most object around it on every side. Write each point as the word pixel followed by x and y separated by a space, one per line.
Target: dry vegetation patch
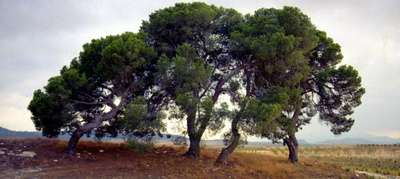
pixel 112 160
pixel 375 159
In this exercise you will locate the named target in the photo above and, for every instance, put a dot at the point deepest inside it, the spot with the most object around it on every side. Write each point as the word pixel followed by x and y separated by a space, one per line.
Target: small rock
pixel 55 160
pixel 165 161
pixel 78 154
pixel 149 176
pixel 164 152
pixel 101 151
pixel 26 154
pixel 148 165
pixel 84 151
pixel 215 169
pixel 2 152
pixel 89 153
pixel 357 175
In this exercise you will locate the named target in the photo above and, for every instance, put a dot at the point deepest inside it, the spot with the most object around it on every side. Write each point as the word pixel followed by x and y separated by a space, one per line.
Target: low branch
pixel 222 81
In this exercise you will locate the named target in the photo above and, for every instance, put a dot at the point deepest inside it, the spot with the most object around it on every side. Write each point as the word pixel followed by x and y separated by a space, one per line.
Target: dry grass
pixel 375 159
pixel 260 165
pixel 164 161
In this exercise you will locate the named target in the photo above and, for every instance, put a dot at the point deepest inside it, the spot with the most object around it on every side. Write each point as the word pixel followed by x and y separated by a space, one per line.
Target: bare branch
pixel 222 81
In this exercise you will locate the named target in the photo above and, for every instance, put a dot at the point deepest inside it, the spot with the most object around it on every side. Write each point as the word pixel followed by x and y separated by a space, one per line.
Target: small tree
pixel 94 90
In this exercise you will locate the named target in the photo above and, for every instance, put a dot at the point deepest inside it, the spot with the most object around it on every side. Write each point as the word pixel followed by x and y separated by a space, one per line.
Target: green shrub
pixel 140 145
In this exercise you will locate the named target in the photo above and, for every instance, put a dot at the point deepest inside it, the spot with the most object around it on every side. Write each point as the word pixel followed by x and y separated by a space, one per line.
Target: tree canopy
pixel 276 67
pixel 91 93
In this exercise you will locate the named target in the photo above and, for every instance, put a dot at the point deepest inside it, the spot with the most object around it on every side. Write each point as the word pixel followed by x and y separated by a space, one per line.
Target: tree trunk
pixel 98 120
pixel 223 156
pixel 291 141
pixel 194 149
pixel 78 133
pixel 73 141
pixel 293 146
pixel 194 139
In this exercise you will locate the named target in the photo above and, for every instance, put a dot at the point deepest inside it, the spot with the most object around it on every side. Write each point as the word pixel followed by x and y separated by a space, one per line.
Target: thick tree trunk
pixel 293 147
pixel 291 141
pixel 78 133
pixel 73 141
pixel 223 156
pixel 194 149
pixel 194 138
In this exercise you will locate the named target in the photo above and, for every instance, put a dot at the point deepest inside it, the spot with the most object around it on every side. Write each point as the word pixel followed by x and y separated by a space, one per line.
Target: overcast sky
pixel 38 37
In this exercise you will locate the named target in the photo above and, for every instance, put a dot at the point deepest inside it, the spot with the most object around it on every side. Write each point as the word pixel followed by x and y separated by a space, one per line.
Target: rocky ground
pixel 44 158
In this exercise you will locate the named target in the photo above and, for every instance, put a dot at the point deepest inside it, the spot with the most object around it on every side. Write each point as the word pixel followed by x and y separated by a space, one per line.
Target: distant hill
pixel 382 139
pixel 366 139
pixel 349 141
pixel 302 142
pixel 162 140
pixel 9 133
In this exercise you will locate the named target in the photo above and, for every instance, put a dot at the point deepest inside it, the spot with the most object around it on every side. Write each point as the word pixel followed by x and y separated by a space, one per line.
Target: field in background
pixel 374 159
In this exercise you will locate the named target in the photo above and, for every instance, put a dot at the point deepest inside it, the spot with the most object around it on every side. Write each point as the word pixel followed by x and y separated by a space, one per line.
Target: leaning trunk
pixel 73 141
pixel 293 146
pixel 78 133
pixel 223 156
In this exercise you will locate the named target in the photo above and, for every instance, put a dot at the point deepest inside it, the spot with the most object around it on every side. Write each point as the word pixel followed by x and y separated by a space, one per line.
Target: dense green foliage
pixel 196 66
pixel 109 73
pixel 278 42
pixel 277 69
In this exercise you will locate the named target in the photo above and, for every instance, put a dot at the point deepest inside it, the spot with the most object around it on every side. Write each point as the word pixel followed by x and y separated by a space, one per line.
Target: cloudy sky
pixel 38 37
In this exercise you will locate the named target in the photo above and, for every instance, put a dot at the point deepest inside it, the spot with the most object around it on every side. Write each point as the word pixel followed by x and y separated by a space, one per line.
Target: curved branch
pixel 221 82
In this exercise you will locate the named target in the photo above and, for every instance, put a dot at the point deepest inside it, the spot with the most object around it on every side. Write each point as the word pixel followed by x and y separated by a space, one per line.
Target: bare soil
pixel 112 160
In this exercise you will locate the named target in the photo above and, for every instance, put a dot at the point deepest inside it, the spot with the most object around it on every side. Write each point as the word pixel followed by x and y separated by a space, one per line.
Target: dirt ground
pixel 44 158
